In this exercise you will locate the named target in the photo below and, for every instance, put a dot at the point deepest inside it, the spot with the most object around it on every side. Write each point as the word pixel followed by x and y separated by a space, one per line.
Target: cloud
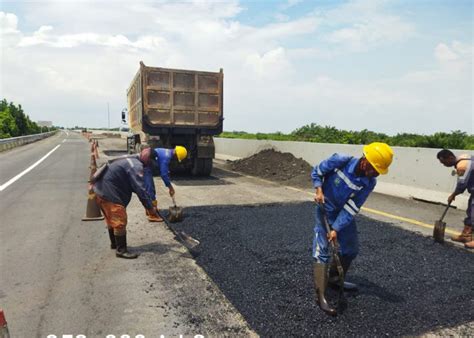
pixel 444 53
pixel 272 64
pixel 8 23
pixel 364 24
pixel 289 4
pixel 43 36
pixel 360 36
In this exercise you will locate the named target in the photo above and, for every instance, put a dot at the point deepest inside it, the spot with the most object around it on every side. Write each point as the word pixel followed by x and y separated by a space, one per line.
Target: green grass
pixel 315 133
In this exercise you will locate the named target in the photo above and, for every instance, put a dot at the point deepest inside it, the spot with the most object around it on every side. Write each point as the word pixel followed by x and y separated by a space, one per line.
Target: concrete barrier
pixel 414 173
pixel 9 143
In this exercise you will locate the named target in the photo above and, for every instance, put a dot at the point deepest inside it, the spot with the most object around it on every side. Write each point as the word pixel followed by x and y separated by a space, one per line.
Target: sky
pixel 388 66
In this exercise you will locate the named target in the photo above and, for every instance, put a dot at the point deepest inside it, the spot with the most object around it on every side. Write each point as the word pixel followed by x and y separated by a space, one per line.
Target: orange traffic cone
pixel 92 167
pixel 3 326
pixel 96 151
pixel 92 210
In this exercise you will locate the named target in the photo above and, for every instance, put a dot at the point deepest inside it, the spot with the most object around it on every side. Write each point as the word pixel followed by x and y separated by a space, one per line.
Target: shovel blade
pixel 438 231
pixel 175 214
pixel 190 243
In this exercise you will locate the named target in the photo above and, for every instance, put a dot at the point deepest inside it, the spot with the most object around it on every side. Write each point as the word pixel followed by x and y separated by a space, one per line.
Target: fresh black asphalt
pixel 260 257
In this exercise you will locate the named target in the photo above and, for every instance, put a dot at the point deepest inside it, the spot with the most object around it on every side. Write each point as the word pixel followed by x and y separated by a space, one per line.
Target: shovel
pixel 341 301
pixel 175 213
pixel 189 242
pixel 439 226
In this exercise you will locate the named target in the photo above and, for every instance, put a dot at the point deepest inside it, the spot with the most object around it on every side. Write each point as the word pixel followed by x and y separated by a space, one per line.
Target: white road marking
pixel 17 177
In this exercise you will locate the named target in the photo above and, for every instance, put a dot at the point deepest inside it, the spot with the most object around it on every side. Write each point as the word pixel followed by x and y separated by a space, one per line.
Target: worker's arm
pixel 352 208
pixel 149 183
pixel 464 172
pixel 171 190
pixel 322 169
pixel 164 159
pixel 138 186
pixel 166 179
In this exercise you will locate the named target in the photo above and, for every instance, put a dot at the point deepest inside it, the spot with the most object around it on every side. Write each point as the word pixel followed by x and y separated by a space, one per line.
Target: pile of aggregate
pixel 276 166
pixel 260 258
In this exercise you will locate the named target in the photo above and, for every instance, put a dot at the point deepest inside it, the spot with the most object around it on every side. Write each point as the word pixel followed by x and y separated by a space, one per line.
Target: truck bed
pixel 162 98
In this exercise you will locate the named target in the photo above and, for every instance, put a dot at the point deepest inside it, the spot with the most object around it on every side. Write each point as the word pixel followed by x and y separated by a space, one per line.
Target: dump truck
pixel 169 107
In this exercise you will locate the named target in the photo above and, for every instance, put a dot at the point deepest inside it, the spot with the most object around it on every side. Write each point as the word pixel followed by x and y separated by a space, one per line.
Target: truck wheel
pixel 202 167
pixel 130 145
pixel 138 148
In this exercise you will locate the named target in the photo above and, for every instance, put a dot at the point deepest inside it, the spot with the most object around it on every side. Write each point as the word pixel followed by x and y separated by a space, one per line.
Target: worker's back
pixel 465 171
pixel 120 180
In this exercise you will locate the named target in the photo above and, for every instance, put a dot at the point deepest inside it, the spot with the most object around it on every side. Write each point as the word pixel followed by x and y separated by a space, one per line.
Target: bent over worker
pixel 161 158
pixel 114 192
pixel 464 167
pixel 342 185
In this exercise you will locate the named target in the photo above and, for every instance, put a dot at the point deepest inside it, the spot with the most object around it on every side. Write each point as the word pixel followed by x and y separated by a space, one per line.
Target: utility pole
pixel 108 114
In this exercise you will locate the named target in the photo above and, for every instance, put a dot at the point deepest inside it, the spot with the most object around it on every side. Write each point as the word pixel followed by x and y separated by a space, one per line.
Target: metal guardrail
pixel 12 142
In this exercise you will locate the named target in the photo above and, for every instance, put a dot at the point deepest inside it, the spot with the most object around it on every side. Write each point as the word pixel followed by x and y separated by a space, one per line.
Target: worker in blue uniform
pixel 342 184
pixel 161 162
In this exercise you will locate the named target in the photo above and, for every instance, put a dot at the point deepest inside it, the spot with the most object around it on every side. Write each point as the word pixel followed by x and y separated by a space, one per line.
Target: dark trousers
pixel 469 220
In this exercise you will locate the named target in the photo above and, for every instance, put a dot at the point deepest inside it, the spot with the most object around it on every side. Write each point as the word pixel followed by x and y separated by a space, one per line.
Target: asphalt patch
pixel 260 258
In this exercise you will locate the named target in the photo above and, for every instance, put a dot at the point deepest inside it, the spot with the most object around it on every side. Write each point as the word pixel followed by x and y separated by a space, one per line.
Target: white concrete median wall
pixel 414 173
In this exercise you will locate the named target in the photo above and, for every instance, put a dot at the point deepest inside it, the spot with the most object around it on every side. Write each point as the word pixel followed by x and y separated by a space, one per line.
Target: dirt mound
pixel 276 166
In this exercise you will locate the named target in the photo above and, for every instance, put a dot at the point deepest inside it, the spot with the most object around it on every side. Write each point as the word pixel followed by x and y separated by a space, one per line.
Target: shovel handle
pixel 326 224
pixel 335 256
pixel 445 211
pixel 325 219
pixel 174 201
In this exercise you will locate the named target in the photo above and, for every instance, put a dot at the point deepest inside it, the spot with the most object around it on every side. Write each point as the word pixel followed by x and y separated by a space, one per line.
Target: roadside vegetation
pixel 14 122
pixel 319 134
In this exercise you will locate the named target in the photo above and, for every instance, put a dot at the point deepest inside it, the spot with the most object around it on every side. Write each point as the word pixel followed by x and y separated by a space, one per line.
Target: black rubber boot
pixel 122 251
pixel 320 276
pixel 334 277
pixel 112 239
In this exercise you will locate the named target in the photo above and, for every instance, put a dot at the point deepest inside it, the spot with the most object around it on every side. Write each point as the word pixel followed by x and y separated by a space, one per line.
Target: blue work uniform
pixel 163 158
pixel 344 194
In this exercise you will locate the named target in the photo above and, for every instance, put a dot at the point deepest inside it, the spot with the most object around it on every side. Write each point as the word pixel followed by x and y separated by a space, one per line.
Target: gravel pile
pixel 260 257
pixel 276 166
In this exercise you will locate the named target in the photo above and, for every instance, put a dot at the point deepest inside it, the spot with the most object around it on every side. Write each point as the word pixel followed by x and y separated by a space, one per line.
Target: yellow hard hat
pixel 181 153
pixel 380 155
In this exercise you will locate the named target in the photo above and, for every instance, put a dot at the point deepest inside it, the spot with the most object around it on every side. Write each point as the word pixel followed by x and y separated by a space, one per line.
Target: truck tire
pixel 138 148
pixel 202 167
pixel 130 145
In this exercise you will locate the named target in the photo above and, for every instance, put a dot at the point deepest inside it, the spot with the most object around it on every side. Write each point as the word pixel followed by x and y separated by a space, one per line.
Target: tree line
pixel 14 122
pixel 315 133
